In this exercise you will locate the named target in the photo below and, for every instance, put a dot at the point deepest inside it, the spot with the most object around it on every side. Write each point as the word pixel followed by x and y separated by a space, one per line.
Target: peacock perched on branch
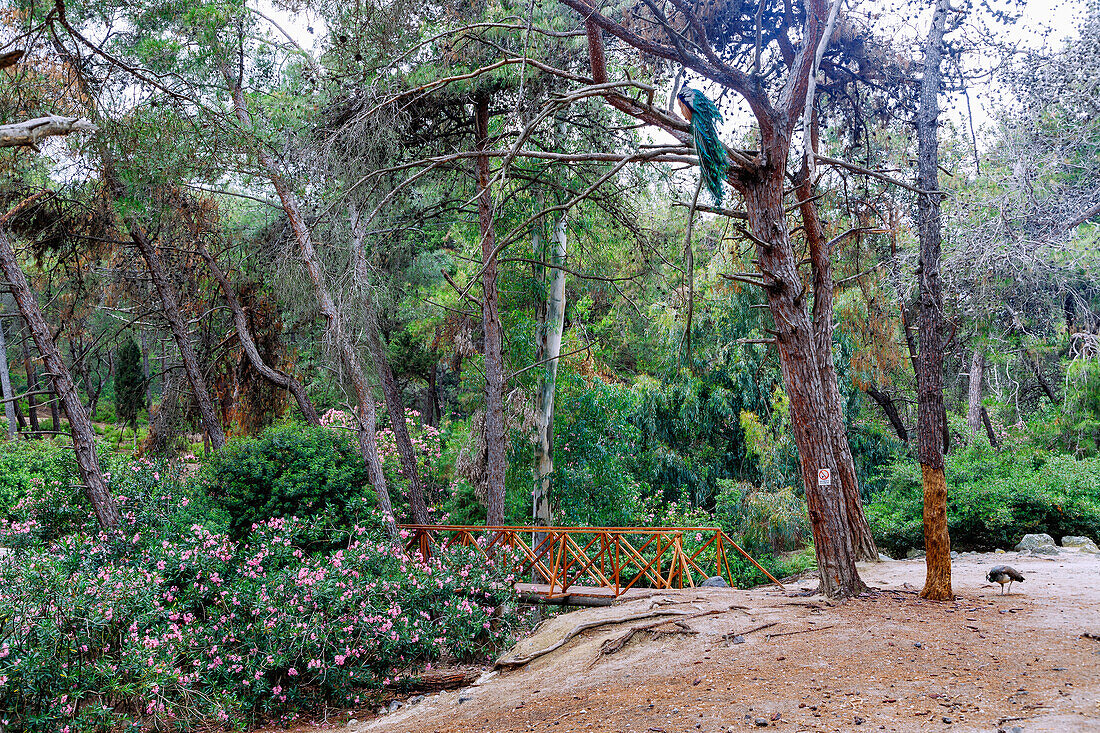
pixel 704 117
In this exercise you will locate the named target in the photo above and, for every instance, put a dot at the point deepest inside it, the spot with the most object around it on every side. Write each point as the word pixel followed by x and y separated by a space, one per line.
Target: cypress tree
pixel 129 385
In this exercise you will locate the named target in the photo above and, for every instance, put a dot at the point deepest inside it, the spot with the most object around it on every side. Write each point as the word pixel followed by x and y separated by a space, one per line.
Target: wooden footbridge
pixel 592 561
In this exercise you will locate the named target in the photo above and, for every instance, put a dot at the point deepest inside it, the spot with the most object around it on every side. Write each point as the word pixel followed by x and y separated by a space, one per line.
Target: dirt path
pixel 887 661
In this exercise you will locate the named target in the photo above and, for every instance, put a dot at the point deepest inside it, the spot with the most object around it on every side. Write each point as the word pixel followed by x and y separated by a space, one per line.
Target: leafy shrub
pixel 289 470
pixel 771 521
pixel 993 500
pixel 37 479
pixel 176 629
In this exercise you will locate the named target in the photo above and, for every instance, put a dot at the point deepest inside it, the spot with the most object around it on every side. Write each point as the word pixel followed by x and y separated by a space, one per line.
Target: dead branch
pixel 30 132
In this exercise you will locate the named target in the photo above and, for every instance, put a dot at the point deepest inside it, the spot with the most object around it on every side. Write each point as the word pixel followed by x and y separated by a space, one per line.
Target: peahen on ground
pixel 704 117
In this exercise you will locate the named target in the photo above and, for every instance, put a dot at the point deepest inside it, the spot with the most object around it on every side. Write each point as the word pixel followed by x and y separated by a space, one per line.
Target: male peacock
pixel 704 117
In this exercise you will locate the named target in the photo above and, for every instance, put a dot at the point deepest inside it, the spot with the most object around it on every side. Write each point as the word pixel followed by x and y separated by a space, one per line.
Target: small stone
pixel 1032 541
pixel 352 723
pixel 716 581
pixel 914 553
pixel 883 557
pixel 947 720
pixel 414 699
pixel 395 706
pixel 998 551
pixel 918 645
pixel 1046 550
pixel 761 722
pixel 954 555
pixel 381 711
pixel 858 720
pixel 737 639
pixel 464 698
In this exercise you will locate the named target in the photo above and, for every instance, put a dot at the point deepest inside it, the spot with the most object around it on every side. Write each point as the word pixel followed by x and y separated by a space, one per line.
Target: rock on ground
pixel 1035 541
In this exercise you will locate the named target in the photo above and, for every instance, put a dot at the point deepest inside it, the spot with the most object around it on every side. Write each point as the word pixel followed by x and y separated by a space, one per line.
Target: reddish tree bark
pixel 760 178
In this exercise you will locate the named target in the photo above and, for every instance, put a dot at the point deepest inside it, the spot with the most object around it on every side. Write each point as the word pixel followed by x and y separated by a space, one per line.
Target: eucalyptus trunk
pixel 550 330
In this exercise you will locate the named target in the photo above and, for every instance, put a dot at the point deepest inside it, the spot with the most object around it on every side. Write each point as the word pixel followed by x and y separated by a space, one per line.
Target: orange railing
pixel 618 558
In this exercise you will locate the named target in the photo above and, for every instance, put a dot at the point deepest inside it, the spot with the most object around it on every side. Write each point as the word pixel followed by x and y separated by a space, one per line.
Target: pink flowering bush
pixel 174 624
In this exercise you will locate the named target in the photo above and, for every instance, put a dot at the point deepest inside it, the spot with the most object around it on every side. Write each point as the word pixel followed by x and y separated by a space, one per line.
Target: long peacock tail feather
pixel 712 154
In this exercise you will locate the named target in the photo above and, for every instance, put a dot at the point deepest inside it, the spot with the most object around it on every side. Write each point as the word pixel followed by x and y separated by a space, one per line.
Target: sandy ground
pixel 885 661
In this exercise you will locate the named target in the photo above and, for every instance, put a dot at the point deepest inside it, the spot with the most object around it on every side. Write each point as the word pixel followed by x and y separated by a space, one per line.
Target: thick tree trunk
pixel 106 510
pixel 248 344
pixel 495 438
pixel 171 311
pixel 5 384
pixel 395 407
pixel 886 402
pixel 930 404
pixel 349 358
pixel 845 467
pixel 974 395
pixel 549 349
pixel 811 416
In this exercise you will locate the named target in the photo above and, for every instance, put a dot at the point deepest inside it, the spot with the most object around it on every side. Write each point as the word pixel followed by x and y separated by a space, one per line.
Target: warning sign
pixel 824 477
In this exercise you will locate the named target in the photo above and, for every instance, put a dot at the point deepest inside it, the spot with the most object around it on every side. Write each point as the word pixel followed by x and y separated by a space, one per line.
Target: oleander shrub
pixel 171 627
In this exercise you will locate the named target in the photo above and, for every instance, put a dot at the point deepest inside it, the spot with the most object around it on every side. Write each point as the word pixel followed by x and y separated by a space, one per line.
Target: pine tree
pixel 129 385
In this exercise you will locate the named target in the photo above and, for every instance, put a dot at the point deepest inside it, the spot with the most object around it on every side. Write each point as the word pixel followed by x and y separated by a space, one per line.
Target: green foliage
pixel 129 383
pixel 595 455
pixel 993 499
pixel 289 470
pixel 765 520
pixel 36 480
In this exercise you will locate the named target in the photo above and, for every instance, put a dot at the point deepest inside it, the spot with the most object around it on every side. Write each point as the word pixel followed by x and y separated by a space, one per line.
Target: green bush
pixel 38 483
pixel 289 470
pixel 993 500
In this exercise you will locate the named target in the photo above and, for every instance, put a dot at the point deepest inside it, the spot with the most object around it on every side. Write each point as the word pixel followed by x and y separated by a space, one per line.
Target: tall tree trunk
pixel 248 344
pixel 33 388
pixel 106 510
pixel 845 467
pixel 171 310
pixel 550 330
pixel 811 417
pixel 349 358
pixel 5 383
pixel 930 404
pixel 974 395
pixel 55 413
pixel 495 438
pixel 1033 360
pixel 395 407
